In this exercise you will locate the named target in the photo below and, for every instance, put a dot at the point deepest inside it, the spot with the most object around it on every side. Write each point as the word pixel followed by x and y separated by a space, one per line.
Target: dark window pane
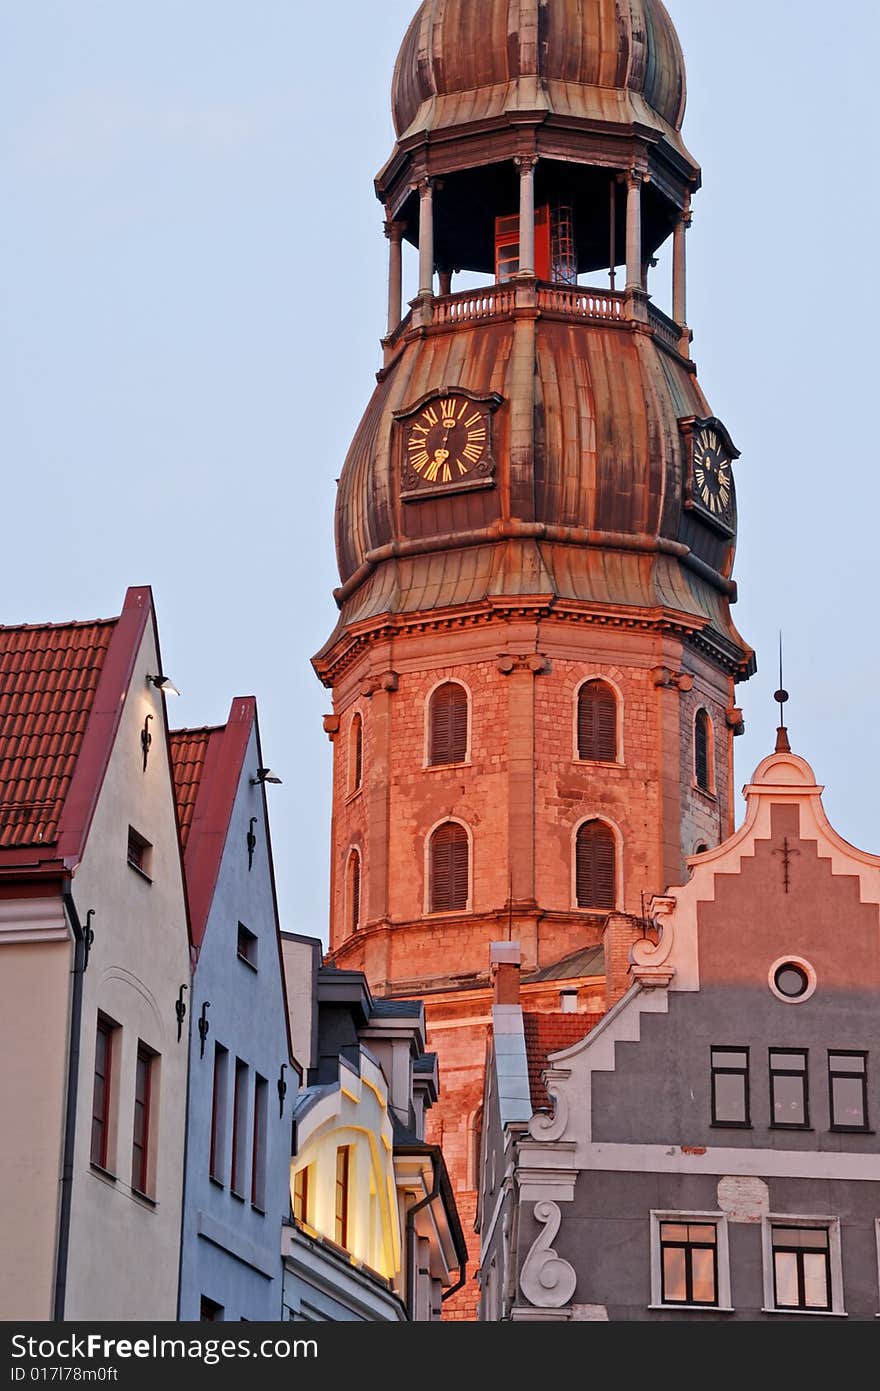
pixel 791 981
pixel 789 1101
pixel 847 1101
pixel 730 1098
pixel 726 1057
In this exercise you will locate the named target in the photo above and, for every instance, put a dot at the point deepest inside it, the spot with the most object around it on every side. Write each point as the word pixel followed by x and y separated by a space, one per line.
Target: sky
pixel 192 292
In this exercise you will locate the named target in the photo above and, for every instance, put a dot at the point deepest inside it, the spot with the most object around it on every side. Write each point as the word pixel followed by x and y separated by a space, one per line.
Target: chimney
pixel 506 958
pixel 569 998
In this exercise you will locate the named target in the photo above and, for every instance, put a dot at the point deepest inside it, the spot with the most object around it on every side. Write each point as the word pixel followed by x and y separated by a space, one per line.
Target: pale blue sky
pixel 192 290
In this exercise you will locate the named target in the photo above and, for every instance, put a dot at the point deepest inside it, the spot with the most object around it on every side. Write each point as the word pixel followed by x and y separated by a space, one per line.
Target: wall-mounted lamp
pixel 88 938
pixel 251 842
pixel 204 1026
pixel 180 1011
pixel 265 775
pixel 163 684
pixel 146 740
pixel 282 1089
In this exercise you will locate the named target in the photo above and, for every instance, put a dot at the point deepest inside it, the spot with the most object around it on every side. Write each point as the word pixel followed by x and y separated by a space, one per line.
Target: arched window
pixel 353 891
pixel 448 725
pixel 448 868
pixel 356 754
pixel 703 751
pixel 596 866
pixel 597 722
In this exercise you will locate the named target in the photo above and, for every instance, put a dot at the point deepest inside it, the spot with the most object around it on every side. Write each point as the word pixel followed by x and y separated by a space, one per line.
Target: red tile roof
pixel 189 753
pixel 48 678
pixel 208 766
pixel 551 1033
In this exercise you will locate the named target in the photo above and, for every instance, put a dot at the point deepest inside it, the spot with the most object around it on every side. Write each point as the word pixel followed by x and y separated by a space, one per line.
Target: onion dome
pixel 605 60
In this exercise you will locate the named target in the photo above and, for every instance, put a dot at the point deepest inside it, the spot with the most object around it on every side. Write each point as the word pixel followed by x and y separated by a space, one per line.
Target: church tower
pixel 534 667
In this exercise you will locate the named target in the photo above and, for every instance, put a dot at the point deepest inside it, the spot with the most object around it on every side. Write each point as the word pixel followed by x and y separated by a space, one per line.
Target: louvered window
pixel 449 869
pixel 354 890
pixel 597 722
pixel 596 866
pixel 356 754
pixel 702 755
pixel 448 735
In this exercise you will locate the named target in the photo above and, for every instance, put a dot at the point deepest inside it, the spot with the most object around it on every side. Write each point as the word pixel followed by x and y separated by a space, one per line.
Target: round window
pixel 792 980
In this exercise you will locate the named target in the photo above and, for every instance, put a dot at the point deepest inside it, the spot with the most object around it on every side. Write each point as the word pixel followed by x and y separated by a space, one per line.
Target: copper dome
pixel 595 59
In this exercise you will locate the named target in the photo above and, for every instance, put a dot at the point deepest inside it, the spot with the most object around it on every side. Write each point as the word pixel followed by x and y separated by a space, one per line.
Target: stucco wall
pixel 35 980
pixel 124 1251
pixel 232 1251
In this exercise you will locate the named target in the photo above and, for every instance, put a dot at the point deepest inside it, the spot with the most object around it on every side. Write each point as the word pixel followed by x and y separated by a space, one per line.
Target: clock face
pixel 448 441
pixel 713 478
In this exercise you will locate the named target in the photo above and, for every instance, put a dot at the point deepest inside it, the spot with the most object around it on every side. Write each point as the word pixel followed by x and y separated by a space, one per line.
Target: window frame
pixel 238 1168
pixel 354 864
pixel 835 1264
pixel 599 679
pixel 142 1177
pixel 430 910
pixel 745 1073
pixel 865 1128
pixel 355 769
pixel 109 1029
pixel 719 1221
pixel 303 1196
pixel 251 955
pixel 577 906
pixel 709 790
pixel 773 1073
pixel 142 860
pixel 219 1106
pixel 342 1197
pixel 429 765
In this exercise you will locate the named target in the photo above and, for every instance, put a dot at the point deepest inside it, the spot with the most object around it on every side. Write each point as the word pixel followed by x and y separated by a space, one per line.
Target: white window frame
pixel 832 1224
pixel 719 1221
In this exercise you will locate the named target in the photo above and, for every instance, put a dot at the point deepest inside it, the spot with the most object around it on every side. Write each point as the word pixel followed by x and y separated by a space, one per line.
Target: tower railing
pixel 579 303
pixel 576 303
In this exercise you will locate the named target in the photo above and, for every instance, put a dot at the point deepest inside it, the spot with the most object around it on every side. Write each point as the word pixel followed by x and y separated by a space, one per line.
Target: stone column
pixel 679 268
pixel 634 232
pixel 394 232
pixel 426 238
pixel 526 165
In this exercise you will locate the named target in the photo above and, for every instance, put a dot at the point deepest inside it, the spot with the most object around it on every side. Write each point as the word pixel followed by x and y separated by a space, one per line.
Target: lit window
pixel 343 1195
pixel 596 866
pixel 848 1090
pixel 303 1183
pixel 730 1086
pixel 689 1260
pixel 448 725
pixel 789 1091
pixel 597 722
pixel 140 853
pixel 143 1106
pixel 802 1265
pixel 248 945
pixel 449 869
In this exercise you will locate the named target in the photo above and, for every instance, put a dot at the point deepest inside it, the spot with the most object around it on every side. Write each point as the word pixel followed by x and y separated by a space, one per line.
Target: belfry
pixel 534 667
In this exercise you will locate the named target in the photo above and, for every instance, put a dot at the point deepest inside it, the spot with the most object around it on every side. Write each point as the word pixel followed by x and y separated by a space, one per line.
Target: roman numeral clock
pixel 708 482
pixel 446 443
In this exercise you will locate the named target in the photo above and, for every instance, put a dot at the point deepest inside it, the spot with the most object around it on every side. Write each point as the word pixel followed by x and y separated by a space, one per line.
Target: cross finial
pixel 782 697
